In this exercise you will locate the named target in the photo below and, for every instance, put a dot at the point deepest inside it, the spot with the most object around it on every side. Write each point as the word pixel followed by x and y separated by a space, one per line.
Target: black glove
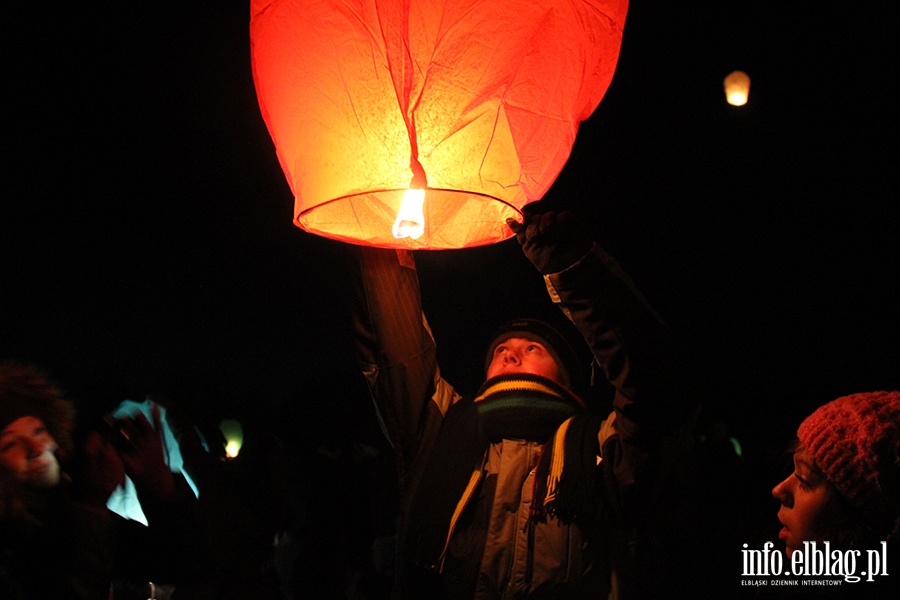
pixel 97 473
pixel 552 242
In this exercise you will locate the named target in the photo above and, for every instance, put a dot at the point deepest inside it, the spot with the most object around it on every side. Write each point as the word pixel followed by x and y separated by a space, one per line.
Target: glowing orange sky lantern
pixel 737 88
pixel 476 102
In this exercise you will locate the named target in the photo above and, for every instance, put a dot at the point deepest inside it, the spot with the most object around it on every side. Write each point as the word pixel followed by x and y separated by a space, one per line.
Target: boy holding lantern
pixel 518 491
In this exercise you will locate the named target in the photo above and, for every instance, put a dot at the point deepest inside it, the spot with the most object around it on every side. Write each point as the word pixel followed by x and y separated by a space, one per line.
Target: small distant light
pixel 232 449
pixel 737 88
pixel 737 446
pixel 234 437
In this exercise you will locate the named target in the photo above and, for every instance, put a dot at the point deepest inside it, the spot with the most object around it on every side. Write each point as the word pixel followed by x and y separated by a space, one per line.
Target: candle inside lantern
pixel 410 221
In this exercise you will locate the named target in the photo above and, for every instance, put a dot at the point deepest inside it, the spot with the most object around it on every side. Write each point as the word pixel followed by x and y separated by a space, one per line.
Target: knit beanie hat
pixel 855 441
pixel 26 392
pixel 570 371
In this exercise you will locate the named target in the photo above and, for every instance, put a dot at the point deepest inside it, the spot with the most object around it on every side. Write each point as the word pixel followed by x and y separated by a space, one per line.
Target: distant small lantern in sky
pixel 737 88
pixel 459 112
pixel 234 436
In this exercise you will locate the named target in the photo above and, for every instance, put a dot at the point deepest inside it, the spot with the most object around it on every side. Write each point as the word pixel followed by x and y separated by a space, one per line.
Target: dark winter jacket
pixel 496 549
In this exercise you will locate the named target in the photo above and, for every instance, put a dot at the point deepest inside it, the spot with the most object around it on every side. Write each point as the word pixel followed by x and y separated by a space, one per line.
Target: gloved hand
pixel 144 458
pixel 552 242
pixel 99 472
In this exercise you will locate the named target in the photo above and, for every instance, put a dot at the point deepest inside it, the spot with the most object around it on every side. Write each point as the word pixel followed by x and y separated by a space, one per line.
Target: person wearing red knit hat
pixel 845 488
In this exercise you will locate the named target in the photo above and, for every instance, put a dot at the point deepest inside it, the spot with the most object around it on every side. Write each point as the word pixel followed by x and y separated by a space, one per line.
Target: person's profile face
pixel 805 498
pixel 27 450
pixel 521 355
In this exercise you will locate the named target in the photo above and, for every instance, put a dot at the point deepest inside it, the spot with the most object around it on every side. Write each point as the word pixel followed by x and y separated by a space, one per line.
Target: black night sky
pixel 147 242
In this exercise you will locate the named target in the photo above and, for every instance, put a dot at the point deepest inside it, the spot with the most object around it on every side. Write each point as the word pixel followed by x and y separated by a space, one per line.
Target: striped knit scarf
pixel 506 407
pixel 524 407
pixel 533 408
pixel 566 484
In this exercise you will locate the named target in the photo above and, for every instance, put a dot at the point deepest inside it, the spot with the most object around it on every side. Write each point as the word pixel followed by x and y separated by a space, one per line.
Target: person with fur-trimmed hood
pixel 518 490
pixel 58 539
pixel 56 536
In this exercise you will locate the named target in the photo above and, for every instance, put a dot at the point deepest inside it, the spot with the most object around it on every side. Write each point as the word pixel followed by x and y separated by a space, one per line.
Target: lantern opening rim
pixel 396 190
pixel 357 225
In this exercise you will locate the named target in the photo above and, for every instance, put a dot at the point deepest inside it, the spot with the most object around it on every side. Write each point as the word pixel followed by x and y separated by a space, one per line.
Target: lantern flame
pixel 410 221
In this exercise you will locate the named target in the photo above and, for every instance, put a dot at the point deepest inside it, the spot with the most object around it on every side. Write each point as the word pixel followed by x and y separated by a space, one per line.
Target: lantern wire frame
pixel 481 212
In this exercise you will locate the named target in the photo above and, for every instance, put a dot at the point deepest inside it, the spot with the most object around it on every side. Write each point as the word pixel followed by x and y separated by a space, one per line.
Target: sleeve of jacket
pixel 91 537
pixel 633 347
pixel 396 350
pixel 647 438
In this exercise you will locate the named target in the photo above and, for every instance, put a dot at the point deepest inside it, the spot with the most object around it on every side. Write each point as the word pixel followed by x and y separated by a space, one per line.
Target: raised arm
pixel 630 343
pixel 396 350
pixel 645 446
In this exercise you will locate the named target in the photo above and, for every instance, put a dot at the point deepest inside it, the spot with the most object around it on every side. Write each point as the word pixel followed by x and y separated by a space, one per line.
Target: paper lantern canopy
pixel 472 103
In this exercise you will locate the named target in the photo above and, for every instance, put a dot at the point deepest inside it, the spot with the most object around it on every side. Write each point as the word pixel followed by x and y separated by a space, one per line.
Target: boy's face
pixel 805 498
pixel 521 355
pixel 27 450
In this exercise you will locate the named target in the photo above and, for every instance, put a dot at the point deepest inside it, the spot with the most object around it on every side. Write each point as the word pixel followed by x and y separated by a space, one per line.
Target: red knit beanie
pixel 855 441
